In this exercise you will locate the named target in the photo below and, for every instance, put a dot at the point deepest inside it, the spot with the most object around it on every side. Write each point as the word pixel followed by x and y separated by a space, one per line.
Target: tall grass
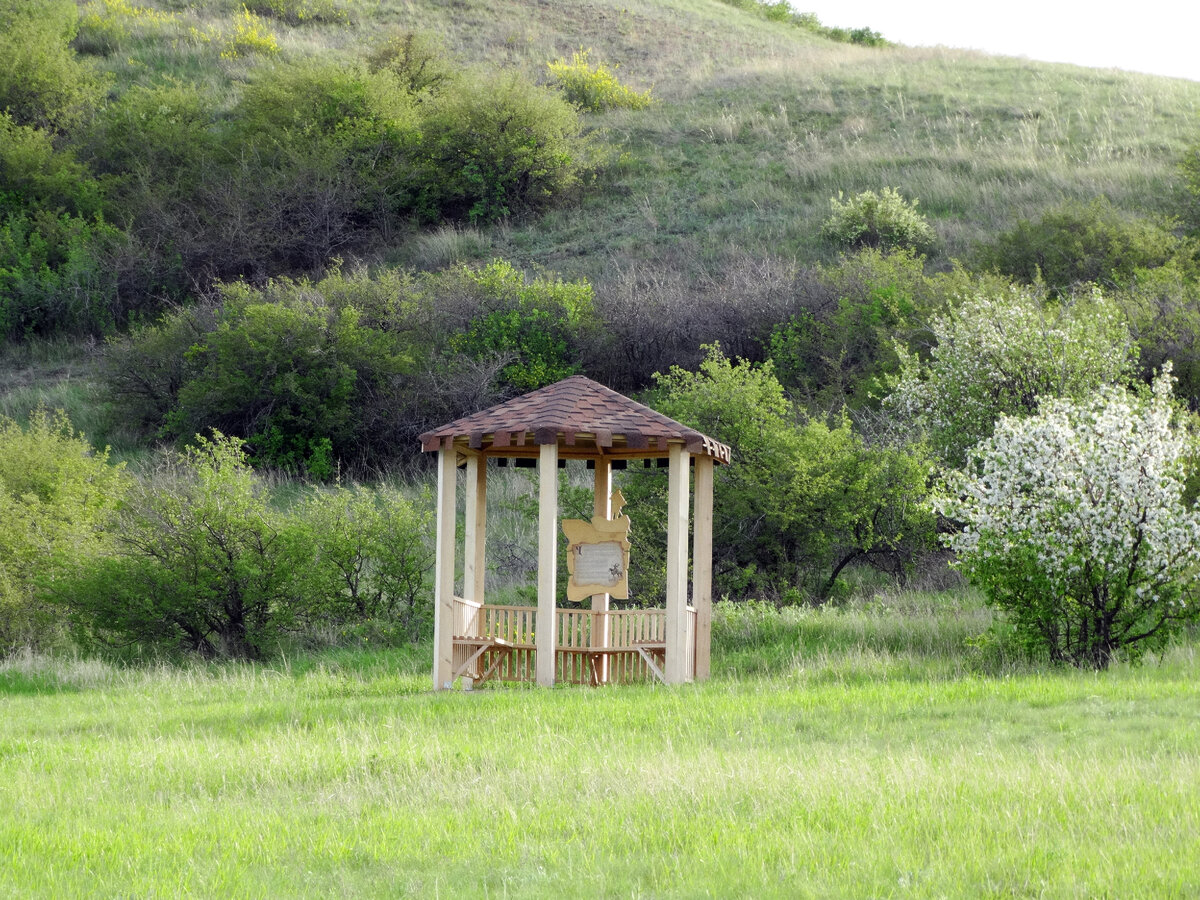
pixel 822 775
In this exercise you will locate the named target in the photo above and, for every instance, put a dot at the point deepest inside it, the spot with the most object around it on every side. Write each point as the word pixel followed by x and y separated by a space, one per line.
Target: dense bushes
pixel 194 555
pixel 1079 244
pixel 804 498
pixel 349 369
pixel 171 187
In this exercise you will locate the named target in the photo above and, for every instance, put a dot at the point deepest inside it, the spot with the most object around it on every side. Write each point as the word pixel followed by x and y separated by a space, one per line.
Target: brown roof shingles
pixel 569 407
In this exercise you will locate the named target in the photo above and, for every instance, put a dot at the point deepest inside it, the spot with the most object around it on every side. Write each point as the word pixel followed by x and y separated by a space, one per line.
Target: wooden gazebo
pixel 573 419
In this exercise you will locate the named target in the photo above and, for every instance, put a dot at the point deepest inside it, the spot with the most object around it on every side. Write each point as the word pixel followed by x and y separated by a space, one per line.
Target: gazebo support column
pixel 475 543
pixel 443 587
pixel 547 561
pixel 676 669
pixel 602 508
pixel 702 529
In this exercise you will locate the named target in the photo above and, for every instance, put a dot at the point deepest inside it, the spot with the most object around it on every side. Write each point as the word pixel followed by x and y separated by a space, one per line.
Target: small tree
pixel 1075 525
pixel 203 563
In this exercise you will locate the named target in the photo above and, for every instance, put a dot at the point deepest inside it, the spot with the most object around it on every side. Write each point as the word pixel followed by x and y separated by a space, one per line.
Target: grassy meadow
pixel 860 751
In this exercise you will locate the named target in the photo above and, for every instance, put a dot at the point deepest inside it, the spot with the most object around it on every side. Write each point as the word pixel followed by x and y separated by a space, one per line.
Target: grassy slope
pixel 863 759
pixel 761 123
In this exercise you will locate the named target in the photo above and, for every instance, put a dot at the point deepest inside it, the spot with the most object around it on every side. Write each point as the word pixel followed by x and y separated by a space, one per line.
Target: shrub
pixel 837 350
pixel 57 274
pixel 594 87
pixel 417 60
pixel 35 174
pixel 288 377
pixel 204 563
pixel 1078 244
pixel 535 327
pixel 884 220
pixel 1077 528
pixel 250 36
pixel 1163 309
pixel 494 148
pixel 57 500
pixel 1000 355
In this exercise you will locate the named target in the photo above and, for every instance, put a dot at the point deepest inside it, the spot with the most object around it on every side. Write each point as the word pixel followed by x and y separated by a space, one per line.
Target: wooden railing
pixel 590 644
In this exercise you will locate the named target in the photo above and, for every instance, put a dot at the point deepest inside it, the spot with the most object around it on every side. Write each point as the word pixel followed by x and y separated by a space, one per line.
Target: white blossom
pixel 1075 519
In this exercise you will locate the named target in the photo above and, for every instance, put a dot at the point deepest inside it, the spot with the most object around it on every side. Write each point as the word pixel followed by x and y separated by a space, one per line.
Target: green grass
pixel 861 760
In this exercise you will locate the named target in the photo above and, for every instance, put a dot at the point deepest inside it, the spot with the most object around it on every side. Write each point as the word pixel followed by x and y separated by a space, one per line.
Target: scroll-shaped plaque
pixel 598 555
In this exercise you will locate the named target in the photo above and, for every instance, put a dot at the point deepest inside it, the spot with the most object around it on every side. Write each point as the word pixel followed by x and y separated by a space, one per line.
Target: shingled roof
pixel 585 419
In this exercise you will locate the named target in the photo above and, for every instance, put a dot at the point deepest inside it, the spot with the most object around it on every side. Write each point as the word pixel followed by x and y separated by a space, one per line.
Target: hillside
pixel 714 194
pixel 760 123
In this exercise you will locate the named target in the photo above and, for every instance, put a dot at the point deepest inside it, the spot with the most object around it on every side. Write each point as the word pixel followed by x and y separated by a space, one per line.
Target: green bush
pixel 417 60
pixel 42 82
pixel 839 352
pixel 1079 244
pixel 289 377
pixel 495 147
pixel 372 560
pixel 535 327
pixel 884 220
pixel 594 87
pixel 204 563
pixel 58 273
pixel 1162 306
pixel 35 174
pixel 58 497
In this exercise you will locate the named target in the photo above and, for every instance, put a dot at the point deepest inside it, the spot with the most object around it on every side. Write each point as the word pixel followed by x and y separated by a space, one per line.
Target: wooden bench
pixel 652 652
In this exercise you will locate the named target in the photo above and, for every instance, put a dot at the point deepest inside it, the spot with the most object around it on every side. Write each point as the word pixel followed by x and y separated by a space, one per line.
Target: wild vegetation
pixel 320 228
pixel 944 307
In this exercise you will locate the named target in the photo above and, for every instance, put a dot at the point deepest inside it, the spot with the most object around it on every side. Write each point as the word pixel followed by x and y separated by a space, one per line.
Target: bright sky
pixel 1161 37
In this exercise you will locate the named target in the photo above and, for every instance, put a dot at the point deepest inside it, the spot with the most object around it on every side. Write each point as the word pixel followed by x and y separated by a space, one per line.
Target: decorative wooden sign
pixel 598 554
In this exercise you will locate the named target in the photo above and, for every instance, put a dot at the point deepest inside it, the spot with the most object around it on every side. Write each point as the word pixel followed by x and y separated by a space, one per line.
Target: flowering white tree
pixel 1075 524
pixel 998 354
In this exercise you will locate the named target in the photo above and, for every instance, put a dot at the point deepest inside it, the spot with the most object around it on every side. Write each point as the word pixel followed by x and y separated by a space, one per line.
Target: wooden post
pixel 443 582
pixel 475 544
pixel 602 508
pixel 702 563
pixel 677 565
pixel 547 562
